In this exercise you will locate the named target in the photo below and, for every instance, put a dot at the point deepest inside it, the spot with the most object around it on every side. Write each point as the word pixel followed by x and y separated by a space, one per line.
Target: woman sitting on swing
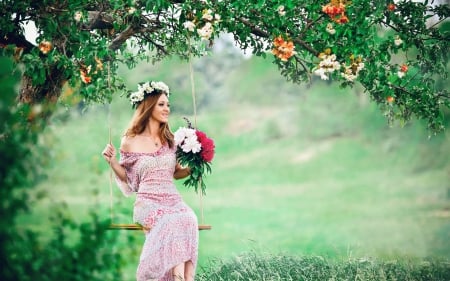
pixel 147 167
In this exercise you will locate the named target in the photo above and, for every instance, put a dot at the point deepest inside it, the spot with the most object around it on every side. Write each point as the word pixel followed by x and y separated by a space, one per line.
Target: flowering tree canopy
pixel 398 51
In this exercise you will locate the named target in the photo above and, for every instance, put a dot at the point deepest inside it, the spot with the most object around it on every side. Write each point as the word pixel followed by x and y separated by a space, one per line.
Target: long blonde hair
pixel 142 115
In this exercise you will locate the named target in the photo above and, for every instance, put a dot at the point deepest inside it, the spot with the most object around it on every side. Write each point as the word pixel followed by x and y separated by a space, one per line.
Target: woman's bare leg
pixel 189 271
pixel 178 272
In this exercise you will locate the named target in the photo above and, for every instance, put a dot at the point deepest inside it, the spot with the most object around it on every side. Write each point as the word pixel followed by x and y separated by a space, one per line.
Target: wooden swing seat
pixel 133 226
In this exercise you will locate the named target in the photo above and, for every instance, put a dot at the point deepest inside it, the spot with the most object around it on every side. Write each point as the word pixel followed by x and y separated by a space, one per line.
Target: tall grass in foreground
pixel 259 267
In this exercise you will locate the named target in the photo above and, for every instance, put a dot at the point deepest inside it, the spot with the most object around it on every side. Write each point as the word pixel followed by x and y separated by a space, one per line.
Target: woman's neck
pixel 152 129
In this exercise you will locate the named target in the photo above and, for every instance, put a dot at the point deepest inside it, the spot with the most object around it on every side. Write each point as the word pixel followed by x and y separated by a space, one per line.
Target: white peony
pixel 191 144
pixel 180 135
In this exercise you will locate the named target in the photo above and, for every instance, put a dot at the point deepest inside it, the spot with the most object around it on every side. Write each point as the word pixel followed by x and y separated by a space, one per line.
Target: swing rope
pixel 194 103
pixel 110 142
pixel 136 226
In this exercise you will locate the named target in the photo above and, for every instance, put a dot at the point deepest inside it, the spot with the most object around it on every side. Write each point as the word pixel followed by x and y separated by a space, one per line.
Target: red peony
pixel 207 151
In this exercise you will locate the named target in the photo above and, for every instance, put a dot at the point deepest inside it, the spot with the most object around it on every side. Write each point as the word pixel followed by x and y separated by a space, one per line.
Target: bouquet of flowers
pixel 195 150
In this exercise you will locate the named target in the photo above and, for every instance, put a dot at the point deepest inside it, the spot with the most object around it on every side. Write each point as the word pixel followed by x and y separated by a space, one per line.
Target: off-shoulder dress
pixel 173 235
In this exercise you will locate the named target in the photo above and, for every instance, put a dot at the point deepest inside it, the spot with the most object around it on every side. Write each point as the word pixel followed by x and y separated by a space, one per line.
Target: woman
pixel 147 167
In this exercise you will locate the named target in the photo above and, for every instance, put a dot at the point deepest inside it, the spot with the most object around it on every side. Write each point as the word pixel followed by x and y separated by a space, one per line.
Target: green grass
pixel 308 172
pixel 269 267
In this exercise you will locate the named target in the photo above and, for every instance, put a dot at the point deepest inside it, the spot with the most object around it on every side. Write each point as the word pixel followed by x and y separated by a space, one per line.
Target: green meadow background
pixel 299 169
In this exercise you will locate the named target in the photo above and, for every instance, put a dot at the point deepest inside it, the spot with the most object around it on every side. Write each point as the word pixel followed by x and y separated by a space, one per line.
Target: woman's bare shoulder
pixel 127 143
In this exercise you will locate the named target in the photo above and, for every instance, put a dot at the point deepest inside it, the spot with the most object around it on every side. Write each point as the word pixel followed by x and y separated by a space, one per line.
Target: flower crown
pixel 146 89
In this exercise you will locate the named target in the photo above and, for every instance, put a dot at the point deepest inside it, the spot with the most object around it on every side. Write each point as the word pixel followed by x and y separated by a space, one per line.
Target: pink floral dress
pixel 173 235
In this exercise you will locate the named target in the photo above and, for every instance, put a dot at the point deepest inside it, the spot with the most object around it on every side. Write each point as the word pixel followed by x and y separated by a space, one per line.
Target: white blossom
pixel 206 31
pixel 398 41
pixel 321 72
pixel 330 29
pixel 360 67
pixel 78 15
pixel 207 15
pixel 281 10
pixel 400 74
pixel 327 65
pixel 189 25
pixel 351 72
pixel 349 75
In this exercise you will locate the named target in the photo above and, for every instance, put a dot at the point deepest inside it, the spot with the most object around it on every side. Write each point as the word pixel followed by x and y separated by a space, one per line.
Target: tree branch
pixel 262 33
pixel 16 39
pixel 306 46
pixel 122 37
pixel 254 29
pixel 99 20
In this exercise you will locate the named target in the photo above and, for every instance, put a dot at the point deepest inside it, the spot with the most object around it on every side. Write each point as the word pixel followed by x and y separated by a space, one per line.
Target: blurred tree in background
pixel 395 50
pixel 25 254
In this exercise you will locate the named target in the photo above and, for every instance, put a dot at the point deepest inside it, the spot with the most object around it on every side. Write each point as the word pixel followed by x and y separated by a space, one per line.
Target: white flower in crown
pixel 136 97
pixel 145 89
pixel 160 86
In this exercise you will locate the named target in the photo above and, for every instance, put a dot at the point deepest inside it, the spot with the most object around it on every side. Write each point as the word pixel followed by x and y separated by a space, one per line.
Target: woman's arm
pixel 109 153
pixel 181 172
